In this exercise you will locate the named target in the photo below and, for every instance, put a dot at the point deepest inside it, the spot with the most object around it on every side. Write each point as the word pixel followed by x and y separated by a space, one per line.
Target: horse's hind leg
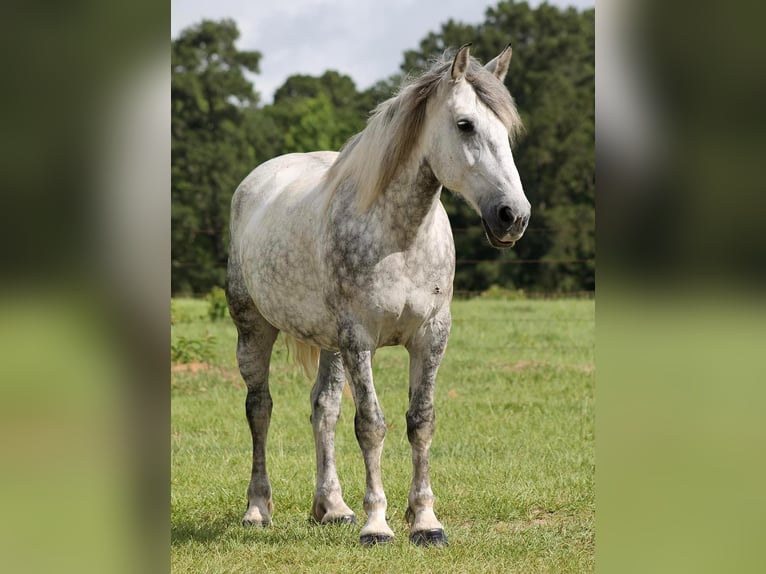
pixel 426 351
pixel 328 506
pixel 254 344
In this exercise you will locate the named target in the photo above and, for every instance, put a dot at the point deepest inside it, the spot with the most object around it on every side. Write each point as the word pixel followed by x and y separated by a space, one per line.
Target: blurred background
pixel 87 161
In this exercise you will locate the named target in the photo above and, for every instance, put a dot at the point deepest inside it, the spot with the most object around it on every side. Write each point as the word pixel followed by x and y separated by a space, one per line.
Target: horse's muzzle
pixel 505 225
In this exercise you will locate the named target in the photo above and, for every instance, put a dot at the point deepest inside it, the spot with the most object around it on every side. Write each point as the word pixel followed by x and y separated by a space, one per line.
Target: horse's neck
pixel 396 219
pixel 410 200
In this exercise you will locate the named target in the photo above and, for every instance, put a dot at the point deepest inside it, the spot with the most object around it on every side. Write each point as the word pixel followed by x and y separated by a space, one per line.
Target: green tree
pixel 312 113
pixel 317 127
pixel 211 149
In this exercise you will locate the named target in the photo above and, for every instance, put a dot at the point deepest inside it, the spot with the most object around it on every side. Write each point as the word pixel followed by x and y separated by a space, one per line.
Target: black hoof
pixel 348 519
pixel 435 537
pixel 374 539
pixel 256 523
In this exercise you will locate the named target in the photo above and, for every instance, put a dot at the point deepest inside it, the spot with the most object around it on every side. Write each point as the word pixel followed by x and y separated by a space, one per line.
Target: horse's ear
pixel 499 65
pixel 460 63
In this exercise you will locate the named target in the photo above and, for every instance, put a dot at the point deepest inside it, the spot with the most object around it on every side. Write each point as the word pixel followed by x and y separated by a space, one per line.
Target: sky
pixel 364 39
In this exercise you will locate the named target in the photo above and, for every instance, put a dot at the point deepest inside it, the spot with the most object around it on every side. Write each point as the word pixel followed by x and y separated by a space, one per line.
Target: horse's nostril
pixel 505 214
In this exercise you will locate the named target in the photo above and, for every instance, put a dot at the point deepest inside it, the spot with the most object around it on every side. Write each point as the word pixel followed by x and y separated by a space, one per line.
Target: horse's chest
pixel 394 295
pixel 403 317
pixel 389 278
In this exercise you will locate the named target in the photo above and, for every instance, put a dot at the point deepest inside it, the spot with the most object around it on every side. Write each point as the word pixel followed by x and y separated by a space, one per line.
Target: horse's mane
pixel 369 160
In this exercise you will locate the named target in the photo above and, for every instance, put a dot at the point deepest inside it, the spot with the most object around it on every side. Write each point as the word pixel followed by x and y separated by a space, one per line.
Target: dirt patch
pixel 540 516
pixel 520 366
pixel 196 367
pixel 193 367
pixel 584 368
pixel 524 365
pixel 537 517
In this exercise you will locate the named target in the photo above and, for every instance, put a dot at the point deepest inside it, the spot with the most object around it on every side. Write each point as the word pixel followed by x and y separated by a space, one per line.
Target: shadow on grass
pixel 230 527
pixel 185 532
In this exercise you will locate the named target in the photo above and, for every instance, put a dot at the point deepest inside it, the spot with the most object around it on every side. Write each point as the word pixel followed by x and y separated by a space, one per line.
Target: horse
pixel 345 252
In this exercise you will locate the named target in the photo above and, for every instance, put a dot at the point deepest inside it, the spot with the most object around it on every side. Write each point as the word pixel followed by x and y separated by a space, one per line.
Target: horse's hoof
pixel 347 519
pixel 435 537
pixel 256 523
pixel 374 539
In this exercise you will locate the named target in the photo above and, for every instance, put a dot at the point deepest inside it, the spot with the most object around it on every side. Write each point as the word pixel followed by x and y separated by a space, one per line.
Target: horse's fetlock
pixel 259 491
pixel 423 498
pixel 375 500
pixel 328 490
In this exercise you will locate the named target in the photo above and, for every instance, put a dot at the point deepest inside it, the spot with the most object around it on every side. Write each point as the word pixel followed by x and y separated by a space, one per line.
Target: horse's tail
pixel 305 355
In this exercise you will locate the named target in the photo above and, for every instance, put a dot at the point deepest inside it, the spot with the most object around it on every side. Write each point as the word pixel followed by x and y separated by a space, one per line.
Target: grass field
pixel 512 462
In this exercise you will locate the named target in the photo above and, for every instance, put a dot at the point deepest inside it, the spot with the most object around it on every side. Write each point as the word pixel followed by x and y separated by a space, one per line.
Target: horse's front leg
pixel 426 350
pixel 370 428
pixel 328 505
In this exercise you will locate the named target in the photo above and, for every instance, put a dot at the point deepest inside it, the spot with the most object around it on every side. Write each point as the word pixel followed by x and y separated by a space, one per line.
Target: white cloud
pixel 364 39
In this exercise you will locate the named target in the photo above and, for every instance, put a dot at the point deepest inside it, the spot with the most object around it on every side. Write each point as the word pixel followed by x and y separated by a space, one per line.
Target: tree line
pixel 220 132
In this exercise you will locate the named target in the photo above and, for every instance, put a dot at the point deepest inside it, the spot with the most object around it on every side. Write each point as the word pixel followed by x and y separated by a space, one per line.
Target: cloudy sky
pixel 364 39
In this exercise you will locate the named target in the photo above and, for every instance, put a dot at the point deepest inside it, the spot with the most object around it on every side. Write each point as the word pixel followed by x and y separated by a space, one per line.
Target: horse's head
pixel 467 144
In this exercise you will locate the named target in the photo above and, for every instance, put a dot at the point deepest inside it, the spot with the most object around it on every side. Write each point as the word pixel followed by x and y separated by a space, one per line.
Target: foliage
pixel 192 349
pixel 186 311
pixel 512 460
pixel 211 150
pixel 177 314
pixel 311 113
pixel 220 134
pixel 497 293
pixel 218 308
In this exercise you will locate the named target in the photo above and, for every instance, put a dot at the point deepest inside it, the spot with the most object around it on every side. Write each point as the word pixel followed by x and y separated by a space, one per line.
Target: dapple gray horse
pixel 347 252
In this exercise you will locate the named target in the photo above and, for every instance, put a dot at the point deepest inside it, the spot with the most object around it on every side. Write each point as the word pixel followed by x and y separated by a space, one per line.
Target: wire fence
pixel 461 263
pixel 507 261
pixel 568 229
pixel 503 260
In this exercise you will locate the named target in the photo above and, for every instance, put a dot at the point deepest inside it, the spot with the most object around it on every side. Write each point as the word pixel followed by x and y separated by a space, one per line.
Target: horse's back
pixel 290 177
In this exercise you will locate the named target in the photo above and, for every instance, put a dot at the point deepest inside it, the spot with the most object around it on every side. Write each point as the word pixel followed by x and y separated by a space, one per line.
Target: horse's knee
pixel 324 417
pixel 326 403
pixel 420 426
pixel 258 401
pixel 370 428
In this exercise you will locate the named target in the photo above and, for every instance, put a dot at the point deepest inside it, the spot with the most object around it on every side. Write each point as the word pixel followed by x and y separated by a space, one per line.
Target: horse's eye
pixel 465 126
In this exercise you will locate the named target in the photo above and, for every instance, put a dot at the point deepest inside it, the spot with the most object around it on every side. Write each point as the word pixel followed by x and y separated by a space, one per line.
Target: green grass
pixel 512 462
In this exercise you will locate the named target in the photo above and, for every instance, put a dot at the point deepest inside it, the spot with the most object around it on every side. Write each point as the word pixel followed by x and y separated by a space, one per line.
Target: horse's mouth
pixel 494 241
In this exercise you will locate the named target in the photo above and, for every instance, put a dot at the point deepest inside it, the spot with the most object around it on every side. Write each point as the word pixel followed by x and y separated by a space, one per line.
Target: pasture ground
pixel 512 462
